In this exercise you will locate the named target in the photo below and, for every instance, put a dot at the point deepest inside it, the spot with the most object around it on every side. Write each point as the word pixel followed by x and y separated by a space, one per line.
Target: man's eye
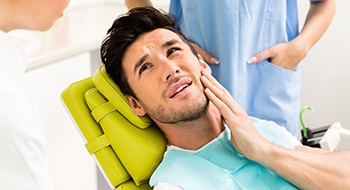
pixel 172 50
pixel 144 67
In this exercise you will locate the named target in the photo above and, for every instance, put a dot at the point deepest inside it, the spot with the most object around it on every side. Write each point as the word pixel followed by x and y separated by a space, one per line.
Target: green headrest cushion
pixel 74 99
pixel 112 92
pixel 139 150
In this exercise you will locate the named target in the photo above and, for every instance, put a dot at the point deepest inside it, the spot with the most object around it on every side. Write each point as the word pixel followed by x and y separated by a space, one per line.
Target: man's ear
pixel 135 106
pixel 203 64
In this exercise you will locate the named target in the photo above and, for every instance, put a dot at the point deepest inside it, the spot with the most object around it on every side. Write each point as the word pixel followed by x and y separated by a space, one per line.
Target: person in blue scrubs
pixel 255 48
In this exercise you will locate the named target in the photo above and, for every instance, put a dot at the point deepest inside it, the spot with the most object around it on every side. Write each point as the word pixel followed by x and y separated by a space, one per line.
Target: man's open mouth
pixel 179 88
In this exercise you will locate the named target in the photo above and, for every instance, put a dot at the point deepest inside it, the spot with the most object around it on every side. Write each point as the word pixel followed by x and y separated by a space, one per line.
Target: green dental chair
pixel 128 148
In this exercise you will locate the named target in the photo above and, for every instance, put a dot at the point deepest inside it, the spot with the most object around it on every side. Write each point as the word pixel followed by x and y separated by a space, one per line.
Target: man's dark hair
pixel 125 30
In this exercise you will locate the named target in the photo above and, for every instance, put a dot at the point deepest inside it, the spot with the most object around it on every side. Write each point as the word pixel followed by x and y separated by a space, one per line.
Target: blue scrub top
pixel 234 31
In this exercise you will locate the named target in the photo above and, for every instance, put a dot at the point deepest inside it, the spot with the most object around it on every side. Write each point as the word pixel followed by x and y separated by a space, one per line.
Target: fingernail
pixel 251 60
pixel 214 60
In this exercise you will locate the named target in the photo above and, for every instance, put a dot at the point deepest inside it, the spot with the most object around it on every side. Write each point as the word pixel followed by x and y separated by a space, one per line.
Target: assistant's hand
pixel 206 56
pixel 245 138
pixel 285 55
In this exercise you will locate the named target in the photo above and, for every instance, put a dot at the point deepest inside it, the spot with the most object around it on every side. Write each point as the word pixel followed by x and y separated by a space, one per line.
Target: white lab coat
pixel 23 156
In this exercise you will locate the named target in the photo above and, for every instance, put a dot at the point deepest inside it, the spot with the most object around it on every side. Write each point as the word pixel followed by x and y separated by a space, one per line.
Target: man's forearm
pixel 309 168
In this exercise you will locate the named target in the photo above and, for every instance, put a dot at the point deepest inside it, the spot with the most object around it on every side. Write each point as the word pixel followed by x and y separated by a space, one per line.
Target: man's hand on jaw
pixel 245 138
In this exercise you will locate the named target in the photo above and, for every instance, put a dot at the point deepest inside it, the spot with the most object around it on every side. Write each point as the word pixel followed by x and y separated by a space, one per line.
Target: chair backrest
pixel 128 148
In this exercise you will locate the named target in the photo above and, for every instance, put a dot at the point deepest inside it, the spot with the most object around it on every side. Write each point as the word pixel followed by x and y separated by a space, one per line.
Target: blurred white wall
pixel 70 165
pixel 326 72
pixel 77 3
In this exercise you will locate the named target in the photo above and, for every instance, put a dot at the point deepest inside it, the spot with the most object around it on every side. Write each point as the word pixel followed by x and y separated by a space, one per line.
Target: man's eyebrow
pixel 139 62
pixel 170 43
pixel 143 58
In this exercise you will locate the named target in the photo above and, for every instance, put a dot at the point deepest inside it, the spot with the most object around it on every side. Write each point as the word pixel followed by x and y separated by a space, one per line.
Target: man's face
pixel 165 76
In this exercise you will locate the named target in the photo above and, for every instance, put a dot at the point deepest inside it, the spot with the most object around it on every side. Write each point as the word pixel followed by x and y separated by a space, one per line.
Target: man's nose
pixel 170 70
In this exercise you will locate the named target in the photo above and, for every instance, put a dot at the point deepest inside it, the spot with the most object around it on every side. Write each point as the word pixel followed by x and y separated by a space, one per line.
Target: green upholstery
pixel 128 148
pixel 112 92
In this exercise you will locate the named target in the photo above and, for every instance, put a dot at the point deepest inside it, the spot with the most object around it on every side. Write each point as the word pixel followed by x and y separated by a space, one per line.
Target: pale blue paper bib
pixel 218 166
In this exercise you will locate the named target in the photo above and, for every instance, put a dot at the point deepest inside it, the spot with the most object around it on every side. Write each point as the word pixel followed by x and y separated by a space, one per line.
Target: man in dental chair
pixel 212 142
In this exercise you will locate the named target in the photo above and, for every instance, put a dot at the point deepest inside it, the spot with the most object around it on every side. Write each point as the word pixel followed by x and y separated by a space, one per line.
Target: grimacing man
pixel 212 142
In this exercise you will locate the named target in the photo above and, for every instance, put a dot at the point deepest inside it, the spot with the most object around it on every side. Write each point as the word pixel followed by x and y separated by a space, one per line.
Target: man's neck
pixel 195 134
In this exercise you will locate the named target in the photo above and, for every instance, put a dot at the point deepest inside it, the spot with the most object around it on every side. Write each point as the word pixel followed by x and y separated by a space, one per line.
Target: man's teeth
pixel 181 88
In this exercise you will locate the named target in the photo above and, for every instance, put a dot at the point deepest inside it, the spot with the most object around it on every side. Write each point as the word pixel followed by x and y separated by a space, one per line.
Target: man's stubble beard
pixel 192 112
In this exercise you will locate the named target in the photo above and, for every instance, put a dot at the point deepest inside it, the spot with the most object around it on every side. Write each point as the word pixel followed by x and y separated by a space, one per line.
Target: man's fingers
pixel 220 93
pixel 211 83
pixel 226 112
pixel 216 101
